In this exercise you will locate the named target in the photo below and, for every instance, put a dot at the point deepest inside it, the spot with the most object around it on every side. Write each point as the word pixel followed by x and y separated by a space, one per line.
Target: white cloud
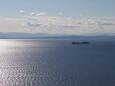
pixel 37 14
pixel 41 14
pixel 32 14
pixel 33 24
pixel 21 11
pixel 57 25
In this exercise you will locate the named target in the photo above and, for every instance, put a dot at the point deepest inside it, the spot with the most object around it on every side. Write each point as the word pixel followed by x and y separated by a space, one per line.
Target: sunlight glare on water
pixel 56 63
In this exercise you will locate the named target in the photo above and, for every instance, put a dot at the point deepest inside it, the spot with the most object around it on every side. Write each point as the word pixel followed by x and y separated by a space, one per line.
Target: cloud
pixel 57 25
pixel 32 24
pixel 41 14
pixel 32 14
pixel 21 11
pixel 37 14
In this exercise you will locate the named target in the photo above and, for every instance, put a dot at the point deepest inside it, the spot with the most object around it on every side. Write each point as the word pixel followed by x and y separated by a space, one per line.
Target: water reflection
pixel 56 63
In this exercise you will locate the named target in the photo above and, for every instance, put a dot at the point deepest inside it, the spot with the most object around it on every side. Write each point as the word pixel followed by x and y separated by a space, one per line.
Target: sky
pixel 71 8
pixel 58 17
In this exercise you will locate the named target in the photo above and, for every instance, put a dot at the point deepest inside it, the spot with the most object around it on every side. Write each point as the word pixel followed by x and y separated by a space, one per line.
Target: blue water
pixel 57 62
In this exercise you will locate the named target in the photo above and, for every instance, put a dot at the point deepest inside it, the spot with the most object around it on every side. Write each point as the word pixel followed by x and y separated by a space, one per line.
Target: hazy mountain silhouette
pixel 15 35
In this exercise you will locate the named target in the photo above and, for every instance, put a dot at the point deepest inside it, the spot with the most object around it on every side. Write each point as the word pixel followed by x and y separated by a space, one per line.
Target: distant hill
pixel 13 35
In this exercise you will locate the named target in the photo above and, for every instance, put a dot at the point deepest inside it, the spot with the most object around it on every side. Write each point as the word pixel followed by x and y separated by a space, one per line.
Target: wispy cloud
pixel 32 14
pixel 21 11
pixel 41 14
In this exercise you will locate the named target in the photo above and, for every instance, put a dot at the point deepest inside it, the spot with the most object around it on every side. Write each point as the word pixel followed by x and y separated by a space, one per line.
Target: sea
pixel 84 61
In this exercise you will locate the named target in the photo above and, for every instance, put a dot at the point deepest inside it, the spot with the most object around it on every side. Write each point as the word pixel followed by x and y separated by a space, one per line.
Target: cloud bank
pixel 57 25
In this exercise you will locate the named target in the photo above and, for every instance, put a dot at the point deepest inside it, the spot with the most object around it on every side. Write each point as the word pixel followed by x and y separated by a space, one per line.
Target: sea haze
pixel 51 62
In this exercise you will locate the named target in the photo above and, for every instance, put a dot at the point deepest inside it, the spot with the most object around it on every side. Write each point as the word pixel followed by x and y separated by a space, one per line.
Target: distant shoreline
pixel 66 38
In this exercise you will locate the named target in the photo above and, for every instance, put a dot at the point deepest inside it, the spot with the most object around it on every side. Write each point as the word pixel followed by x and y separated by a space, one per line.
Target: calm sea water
pixel 57 63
